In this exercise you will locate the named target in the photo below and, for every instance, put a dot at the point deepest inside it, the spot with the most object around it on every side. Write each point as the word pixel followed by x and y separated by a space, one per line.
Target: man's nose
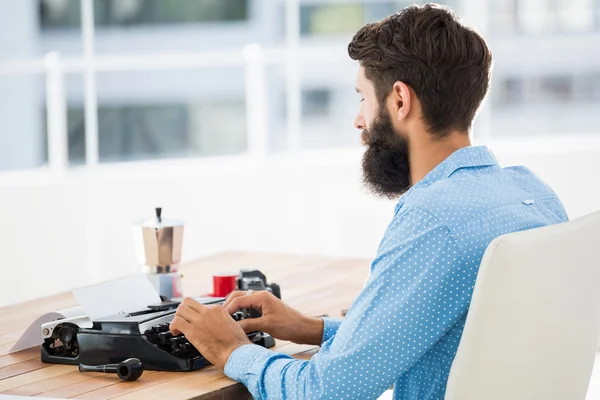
pixel 359 122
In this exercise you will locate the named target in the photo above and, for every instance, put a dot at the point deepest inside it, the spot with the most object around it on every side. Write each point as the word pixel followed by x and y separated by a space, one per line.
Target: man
pixel 422 77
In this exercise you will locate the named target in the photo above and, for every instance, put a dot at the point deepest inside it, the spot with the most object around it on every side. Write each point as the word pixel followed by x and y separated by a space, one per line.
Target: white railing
pixel 253 58
pixel 56 111
pixel 91 102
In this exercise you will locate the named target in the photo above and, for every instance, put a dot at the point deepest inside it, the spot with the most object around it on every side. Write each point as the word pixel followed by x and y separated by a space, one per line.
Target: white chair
pixel 532 328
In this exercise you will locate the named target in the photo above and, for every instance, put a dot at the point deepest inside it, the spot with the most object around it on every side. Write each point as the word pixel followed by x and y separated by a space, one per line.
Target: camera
pixel 254 279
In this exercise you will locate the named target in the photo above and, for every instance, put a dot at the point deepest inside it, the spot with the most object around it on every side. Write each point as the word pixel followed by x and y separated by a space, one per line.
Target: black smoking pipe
pixel 128 370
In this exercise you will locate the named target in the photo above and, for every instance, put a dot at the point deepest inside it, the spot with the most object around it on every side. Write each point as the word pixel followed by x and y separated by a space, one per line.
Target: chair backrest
pixel 532 327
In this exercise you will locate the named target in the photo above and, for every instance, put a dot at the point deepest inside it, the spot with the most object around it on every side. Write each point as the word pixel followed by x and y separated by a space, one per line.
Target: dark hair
pixel 426 47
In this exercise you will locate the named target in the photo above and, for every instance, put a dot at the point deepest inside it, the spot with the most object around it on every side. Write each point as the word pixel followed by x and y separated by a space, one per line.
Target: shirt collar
pixel 466 157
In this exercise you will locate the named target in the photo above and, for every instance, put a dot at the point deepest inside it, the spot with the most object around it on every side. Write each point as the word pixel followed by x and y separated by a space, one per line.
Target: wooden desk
pixel 313 285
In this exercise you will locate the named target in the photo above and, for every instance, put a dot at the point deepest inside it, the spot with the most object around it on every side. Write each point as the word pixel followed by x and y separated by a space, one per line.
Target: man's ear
pixel 400 98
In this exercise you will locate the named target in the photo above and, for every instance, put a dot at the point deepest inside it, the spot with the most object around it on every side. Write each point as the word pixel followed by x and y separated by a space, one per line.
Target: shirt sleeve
pixel 330 328
pixel 419 287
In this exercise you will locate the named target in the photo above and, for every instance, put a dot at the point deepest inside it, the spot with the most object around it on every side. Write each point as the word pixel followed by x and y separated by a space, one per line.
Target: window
pixel 316 103
pixel 346 17
pixel 504 16
pixel 587 87
pixel 60 13
pixel 328 113
pixel 66 13
pixel 594 87
pixel 550 89
pixel 331 18
pixel 22 136
pixel 547 16
pixel 546 105
pixel 553 89
pixel 509 91
pixel 575 15
pixel 130 132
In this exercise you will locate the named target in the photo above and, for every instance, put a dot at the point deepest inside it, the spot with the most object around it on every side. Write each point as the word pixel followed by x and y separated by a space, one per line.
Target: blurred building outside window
pixel 538 17
pixel 176 114
pixel 137 132
pixel 67 13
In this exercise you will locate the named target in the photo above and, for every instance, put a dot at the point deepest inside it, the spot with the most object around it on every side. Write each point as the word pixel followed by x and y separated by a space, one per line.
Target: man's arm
pixel 419 287
pixel 280 320
pixel 330 328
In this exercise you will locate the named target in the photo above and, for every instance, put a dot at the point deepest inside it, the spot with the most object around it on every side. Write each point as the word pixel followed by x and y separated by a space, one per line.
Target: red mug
pixel 223 285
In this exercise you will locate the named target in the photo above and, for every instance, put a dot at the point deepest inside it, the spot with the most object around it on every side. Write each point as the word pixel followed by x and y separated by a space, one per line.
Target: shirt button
pixel 528 202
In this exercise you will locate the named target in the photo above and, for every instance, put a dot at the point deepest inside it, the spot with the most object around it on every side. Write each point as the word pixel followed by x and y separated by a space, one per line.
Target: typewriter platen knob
pixel 164 327
pixel 66 334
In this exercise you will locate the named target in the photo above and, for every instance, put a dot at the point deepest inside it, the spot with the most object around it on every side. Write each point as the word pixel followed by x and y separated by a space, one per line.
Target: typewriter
pixel 143 335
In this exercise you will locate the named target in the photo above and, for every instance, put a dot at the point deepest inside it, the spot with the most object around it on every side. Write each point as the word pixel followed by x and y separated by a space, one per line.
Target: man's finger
pixel 252 324
pixel 193 304
pixel 234 295
pixel 186 313
pixel 253 301
pixel 179 325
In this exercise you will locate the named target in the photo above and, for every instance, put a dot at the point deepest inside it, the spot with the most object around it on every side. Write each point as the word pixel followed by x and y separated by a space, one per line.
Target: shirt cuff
pixel 330 328
pixel 244 360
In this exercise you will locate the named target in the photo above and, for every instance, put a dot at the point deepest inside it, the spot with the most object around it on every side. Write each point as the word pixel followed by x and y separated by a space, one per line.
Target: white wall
pixel 61 232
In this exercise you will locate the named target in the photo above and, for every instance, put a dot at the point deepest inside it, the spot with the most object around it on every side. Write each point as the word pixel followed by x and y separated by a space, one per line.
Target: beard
pixel 385 163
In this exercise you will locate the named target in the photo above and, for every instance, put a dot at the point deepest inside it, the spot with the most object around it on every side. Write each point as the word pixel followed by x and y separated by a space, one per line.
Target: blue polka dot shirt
pixel 404 327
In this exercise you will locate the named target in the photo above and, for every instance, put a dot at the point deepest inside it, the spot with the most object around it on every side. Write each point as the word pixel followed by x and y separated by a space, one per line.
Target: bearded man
pixel 422 78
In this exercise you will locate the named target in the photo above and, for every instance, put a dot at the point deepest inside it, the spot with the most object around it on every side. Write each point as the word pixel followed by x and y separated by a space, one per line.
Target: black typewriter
pixel 143 335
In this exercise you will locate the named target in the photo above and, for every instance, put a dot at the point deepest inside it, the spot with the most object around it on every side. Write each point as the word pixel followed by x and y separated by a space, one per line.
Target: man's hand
pixel 278 319
pixel 210 329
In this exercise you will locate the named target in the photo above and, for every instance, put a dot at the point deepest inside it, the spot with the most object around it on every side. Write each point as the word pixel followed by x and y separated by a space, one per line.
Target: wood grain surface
pixel 313 285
